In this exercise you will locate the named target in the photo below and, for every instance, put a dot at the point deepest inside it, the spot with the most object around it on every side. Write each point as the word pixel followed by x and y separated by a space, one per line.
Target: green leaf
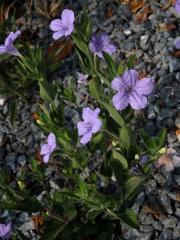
pixel 133 185
pixel 161 138
pixel 114 114
pixel 129 217
pixel 111 63
pixel 86 25
pixel 131 61
pixel 13 111
pixel 94 89
pixel 81 45
pixel 29 204
pixel 125 137
pixel 120 173
pixel 121 159
pixel 120 69
pixel 46 92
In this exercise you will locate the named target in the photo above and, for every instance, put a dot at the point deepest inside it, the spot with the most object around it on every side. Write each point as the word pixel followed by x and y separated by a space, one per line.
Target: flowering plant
pixel 101 158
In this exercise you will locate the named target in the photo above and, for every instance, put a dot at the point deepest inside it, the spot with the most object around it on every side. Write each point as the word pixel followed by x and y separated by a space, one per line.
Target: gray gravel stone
pixel 169 222
pixel 157 225
pixel 166 235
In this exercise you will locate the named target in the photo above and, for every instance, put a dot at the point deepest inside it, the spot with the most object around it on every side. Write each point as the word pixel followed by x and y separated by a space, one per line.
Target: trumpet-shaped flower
pixel 177 6
pixel 131 91
pixel 5 231
pixel 64 26
pixel 8 46
pixel 47 149
pixel 101 43
pixel 90 124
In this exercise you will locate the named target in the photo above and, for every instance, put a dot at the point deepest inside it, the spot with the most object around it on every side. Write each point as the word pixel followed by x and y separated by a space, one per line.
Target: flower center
pixel 128 90
pixel 88 127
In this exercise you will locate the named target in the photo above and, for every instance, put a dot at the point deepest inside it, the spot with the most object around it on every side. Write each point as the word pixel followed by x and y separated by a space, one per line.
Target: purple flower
pixel 90 125
pixel 5 231
pixel 64 26
pixel 47 149
pixel 101 43
pixel 143 160
pixel 8 46
pixel 177 43
pixel 82 78
pixel 177 6
pixel 131 90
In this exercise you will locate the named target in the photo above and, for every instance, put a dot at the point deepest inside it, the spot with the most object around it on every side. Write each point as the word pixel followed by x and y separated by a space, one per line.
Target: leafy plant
pixel 81 208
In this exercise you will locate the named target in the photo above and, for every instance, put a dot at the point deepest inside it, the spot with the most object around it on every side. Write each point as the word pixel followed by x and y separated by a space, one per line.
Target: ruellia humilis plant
pixel 101 159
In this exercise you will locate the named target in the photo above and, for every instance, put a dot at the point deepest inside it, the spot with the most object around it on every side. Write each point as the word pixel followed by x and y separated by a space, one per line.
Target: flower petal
pixel 45 149
pixel 10 49
pixel 120 100
pixel 87 114
pixel 67 17
pixel 104 38
pixel 117 84
pixel 177 43
pixel 129 78
pixel 69 30
pixel 51 140
pixel 96 126
pixel 46 158
pixel 8 39
pixel 177 6
pixel 96 112
pixel 56 25
pixel 86 138
pixel 137 101
pixel 5 231
pixel 144 86
pixel 82 128
pixel 59 34
pixel 110 49
pixel 2 49
pixel 92 47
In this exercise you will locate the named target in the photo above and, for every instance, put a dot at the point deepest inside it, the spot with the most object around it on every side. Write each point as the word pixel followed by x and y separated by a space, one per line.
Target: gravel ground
pixel 159 204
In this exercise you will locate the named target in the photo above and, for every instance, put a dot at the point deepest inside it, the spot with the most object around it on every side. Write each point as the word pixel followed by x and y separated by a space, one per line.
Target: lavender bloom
pixel 64 26
pixel 90 125
pixel 5 231
pixel 47 149
pixel 101 43
pixel 82 78
pixel 131 90
pixel 8 46
pixel 144 159
pixel 177 43
pixel 177 6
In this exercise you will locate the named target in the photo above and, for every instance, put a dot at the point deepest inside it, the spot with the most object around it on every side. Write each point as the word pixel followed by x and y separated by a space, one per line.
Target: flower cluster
pixel 130 90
